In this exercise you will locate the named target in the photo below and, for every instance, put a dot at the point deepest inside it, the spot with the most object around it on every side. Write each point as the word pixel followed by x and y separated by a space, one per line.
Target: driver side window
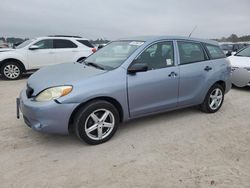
pixel 157 56
pixel 45 44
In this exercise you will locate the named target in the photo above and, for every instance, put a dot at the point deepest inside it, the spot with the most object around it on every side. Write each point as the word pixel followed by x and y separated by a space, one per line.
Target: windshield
pixel 245 52
pixel 226 47
pixel 25 43
pixel 114 54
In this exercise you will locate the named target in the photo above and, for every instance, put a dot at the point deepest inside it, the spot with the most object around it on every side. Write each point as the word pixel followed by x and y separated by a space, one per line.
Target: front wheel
pixel 11 70
pixel 96 122
pixel 214 99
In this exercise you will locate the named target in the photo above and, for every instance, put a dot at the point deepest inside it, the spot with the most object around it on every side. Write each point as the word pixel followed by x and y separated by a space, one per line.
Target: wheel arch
pixel 80 59
pixel 222 83
pixel 113 101
pixel 13 60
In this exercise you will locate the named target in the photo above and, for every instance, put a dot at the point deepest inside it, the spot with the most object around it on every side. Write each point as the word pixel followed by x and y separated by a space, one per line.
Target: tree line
pixel 234 38
pixel 231 38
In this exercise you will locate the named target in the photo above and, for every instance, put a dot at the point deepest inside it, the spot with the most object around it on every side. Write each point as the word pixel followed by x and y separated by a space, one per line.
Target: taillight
pixel 93 50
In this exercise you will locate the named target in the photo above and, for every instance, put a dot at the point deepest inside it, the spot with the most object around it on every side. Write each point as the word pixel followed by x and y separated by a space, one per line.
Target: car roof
pixel 51 37
pixel 155 38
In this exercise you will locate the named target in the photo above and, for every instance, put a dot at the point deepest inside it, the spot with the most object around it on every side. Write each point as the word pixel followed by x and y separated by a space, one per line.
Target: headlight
pixel 53 93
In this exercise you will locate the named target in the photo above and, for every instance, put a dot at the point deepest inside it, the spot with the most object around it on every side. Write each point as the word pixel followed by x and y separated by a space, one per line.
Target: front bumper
pixel 48 117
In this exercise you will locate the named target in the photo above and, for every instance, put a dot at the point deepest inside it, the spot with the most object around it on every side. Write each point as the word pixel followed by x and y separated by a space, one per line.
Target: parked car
pixel 231 48
pixel 241 60
pixel 127 79
pixel 4 45
pixel 40 52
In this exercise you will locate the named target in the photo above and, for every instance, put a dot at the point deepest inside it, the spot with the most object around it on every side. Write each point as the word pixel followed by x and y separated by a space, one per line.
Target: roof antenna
pixel 192 31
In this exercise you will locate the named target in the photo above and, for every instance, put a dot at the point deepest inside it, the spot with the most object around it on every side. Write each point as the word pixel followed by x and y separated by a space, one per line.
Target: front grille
pixel 29 91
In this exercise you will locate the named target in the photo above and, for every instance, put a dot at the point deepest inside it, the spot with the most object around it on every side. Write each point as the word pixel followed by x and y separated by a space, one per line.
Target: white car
pixel 241 60
pixel 40 52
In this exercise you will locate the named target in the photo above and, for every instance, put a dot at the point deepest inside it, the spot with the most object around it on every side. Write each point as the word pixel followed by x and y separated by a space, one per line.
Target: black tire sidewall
pixel 83 114
pixel 206 102
pixel 11 63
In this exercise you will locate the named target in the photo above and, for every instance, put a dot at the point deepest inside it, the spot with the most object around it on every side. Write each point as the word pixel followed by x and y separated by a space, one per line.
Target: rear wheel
pixel 214 99
pixel 11 70
pixel 96 122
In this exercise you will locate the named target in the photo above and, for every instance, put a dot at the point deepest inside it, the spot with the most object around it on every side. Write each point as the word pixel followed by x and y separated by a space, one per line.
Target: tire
pixel 102 116
pixel 11 70
pixel 216 94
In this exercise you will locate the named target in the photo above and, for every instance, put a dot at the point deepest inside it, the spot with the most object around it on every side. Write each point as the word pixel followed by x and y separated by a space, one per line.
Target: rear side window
pixel 215 52
pixel 62 43
pixel 86 43
pixel 190 52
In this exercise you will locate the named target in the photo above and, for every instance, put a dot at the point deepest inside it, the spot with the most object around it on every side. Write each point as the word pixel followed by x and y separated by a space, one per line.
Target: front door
pixel 156 89
pixel 43 56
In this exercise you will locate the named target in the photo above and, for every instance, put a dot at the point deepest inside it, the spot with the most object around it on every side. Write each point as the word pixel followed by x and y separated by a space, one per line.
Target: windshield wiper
pixel 94 65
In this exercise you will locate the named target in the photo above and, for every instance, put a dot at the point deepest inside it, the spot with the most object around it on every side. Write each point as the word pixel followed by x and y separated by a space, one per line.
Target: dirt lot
pixel 185 148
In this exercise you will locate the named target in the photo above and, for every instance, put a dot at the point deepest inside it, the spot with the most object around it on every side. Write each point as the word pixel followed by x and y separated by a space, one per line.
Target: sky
pixel 112 19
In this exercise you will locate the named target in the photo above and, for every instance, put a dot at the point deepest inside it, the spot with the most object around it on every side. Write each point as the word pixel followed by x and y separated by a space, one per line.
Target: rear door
pixel 65 51
pixel 156 89
pixel 196 72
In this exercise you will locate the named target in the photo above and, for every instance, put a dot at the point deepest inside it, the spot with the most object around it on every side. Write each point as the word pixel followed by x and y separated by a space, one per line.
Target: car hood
pixel 6 49
pixel 238 61
pixel 62 74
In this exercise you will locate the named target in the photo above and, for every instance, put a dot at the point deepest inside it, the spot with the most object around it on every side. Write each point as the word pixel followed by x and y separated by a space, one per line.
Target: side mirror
pixel 233 53
pixel 229 53
pixel 137 67
pixel 34 47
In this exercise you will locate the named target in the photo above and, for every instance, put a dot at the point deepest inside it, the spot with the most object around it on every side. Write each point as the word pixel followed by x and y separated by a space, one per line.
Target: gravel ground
pixel 184 148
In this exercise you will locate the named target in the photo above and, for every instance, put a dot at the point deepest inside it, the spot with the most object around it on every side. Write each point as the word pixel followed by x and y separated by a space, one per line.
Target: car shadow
pixel 71 140
pixel 24 77
pixel 247 88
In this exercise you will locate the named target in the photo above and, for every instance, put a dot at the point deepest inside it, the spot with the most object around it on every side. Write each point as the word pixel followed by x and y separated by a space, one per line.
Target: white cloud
pixel 114 19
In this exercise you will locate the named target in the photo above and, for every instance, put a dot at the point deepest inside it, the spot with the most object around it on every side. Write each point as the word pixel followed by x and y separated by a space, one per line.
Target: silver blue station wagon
pixel 128 78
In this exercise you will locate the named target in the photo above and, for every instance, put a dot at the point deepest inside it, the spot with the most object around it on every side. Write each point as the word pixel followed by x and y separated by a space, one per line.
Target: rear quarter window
pixel 215 52
pixel 86 43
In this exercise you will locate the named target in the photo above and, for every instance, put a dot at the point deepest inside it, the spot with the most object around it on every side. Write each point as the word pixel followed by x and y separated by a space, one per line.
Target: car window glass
pixel 25 43
pixel 86 43
pixel 245 52
pixel 190 52
pixel 62 43
pixel 159 55
pixel 226 47
pixel 114 54
pixel 45 44
pixel 215 51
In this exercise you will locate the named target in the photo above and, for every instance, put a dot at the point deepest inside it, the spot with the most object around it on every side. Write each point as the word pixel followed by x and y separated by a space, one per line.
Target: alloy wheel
pixel 11 71
pixel 99 124
pixel 215 98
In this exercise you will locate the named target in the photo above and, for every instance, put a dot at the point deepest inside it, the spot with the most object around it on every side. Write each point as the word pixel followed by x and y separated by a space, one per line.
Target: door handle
pixel 208 68
pixel 51 52
pixel 173 74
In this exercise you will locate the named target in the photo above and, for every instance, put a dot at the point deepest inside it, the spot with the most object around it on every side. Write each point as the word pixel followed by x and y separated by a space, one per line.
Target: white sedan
pixel 241 60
